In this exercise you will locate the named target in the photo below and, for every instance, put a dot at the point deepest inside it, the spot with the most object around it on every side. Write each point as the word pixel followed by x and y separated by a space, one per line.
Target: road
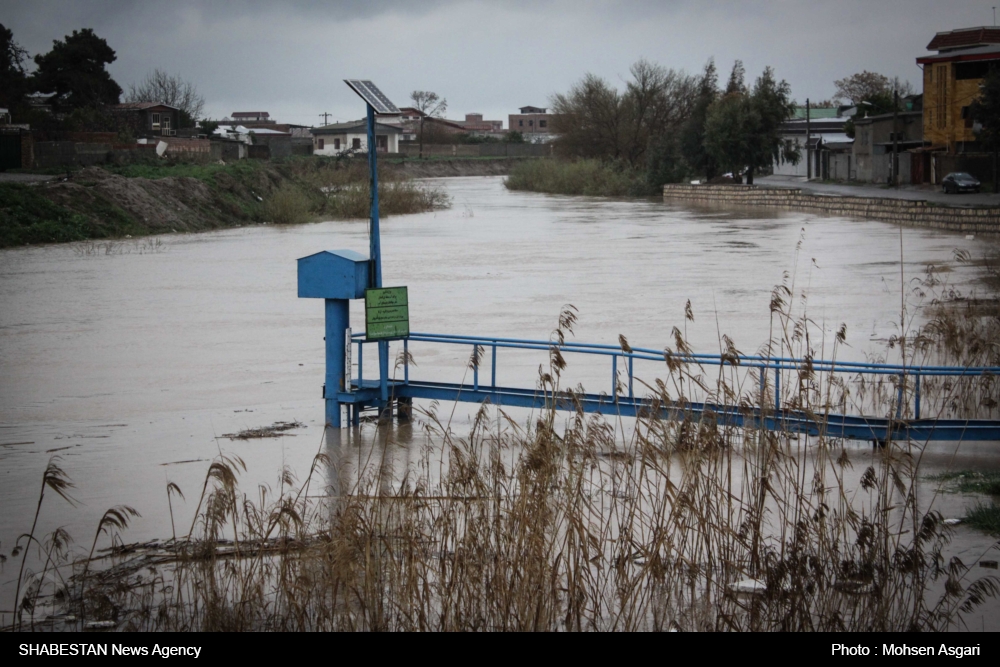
pixel 909 192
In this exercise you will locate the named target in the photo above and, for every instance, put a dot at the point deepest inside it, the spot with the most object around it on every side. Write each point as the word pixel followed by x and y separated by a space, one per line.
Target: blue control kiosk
pixel 337 276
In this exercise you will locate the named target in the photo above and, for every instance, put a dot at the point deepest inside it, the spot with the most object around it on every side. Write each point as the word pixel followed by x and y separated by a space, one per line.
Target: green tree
pixel 985 110
pixel 692 141
pixel 13 80
pixel 514 137
pixel 743 130
pixel 75 71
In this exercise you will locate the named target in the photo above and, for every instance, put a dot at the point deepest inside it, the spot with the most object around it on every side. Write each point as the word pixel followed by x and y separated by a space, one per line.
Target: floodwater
pixel 131 360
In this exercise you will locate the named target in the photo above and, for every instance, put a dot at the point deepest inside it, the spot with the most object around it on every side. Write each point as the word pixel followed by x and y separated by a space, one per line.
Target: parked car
pixel 960 181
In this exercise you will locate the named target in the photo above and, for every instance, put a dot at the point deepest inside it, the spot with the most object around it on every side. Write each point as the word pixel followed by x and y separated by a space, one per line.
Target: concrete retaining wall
pixel 898 211
pixel 477 150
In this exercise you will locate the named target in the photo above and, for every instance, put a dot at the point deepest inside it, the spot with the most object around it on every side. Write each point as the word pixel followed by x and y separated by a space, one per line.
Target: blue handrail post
pixel 763 386
pixel 899 396
pixel 475 368
pixel 916 406
pixel 631 359
pixel 493 367
pixel 777 389
pixel 614 376
pixel 406 361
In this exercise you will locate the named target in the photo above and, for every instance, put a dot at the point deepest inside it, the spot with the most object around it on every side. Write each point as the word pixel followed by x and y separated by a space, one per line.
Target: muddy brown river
pixel 132 359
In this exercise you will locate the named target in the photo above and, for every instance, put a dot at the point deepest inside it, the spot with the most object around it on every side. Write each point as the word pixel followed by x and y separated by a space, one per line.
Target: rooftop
pixel 964 37
pixel 356 126
pixel 142 106
pixel 800 113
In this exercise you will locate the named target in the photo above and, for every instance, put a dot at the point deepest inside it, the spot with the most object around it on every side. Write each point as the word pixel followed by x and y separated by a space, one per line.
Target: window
pixel 321 144
pixel 543 123
pixel 336 144
pixel 520 123
pixel 531 123
pixel 156 120
pixel 356 144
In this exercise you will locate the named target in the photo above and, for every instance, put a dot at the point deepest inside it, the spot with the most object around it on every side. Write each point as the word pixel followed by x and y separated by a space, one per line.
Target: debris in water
pixel 951 522
pixel 275 430
pixel 750 586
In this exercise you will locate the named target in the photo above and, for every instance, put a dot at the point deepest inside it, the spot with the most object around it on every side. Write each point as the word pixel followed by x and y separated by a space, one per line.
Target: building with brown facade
pixel 952 80
pixel 535 123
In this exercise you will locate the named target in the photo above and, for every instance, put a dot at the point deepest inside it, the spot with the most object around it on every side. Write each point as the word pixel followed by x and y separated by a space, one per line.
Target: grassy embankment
pixel 116 201
pixel 591 178
pixel 571 523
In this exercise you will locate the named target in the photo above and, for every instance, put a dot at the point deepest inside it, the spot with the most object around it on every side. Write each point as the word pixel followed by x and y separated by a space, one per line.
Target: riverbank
pixel 137 200
pixel 908 212
pixel 588 178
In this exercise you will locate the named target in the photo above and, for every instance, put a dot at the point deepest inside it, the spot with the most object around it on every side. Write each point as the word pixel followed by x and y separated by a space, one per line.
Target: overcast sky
pixel 289 58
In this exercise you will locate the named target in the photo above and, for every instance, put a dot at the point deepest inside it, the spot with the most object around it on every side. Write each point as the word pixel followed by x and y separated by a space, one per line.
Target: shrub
pixel 288 205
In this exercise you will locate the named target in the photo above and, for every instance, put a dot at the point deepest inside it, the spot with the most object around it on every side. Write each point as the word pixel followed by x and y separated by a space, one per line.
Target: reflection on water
pixel 131 365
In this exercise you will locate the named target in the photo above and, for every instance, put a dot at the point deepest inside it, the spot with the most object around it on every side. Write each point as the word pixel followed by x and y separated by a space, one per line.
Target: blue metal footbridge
pixel 622 399
pixel 340 276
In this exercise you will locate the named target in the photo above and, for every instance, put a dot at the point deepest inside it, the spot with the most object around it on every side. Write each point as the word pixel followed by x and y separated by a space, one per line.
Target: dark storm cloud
pixel 290 57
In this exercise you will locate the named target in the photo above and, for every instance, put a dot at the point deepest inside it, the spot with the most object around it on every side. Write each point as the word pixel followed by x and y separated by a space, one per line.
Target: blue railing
pixel 765 365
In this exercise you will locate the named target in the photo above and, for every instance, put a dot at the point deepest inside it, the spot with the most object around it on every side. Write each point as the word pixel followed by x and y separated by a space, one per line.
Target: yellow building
pixel 951 83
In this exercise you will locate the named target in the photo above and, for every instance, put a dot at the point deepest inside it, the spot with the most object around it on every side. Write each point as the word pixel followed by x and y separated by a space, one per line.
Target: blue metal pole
pixel 406 361
pixel 375 242
pixel 493 367
pixel 916 408
pixel 338 318
pixel 376 254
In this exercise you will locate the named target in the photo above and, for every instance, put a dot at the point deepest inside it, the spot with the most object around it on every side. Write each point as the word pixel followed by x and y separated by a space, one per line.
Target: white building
pixel 825 133
pixel 353 136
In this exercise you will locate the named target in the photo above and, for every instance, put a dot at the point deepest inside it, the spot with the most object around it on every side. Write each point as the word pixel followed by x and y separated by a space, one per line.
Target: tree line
pixel 80 91
pixel 669 126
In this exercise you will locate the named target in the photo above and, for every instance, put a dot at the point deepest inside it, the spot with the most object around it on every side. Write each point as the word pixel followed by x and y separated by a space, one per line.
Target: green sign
pixel 387 313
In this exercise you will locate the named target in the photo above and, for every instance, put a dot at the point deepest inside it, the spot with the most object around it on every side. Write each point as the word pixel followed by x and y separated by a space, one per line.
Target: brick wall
pixel 898 211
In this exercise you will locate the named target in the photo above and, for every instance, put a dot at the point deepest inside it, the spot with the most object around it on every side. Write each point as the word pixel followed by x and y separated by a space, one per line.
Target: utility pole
pixel 809 162
pixel 895 140
pixel 325 116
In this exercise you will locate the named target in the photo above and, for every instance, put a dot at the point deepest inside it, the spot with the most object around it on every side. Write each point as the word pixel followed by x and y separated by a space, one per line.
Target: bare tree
pixel 595 120
pixel 868 85
pixel 172 90
pixel 429 105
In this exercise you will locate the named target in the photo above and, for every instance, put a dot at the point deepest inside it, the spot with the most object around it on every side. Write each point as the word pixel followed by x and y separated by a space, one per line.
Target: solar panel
pixel 370 93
